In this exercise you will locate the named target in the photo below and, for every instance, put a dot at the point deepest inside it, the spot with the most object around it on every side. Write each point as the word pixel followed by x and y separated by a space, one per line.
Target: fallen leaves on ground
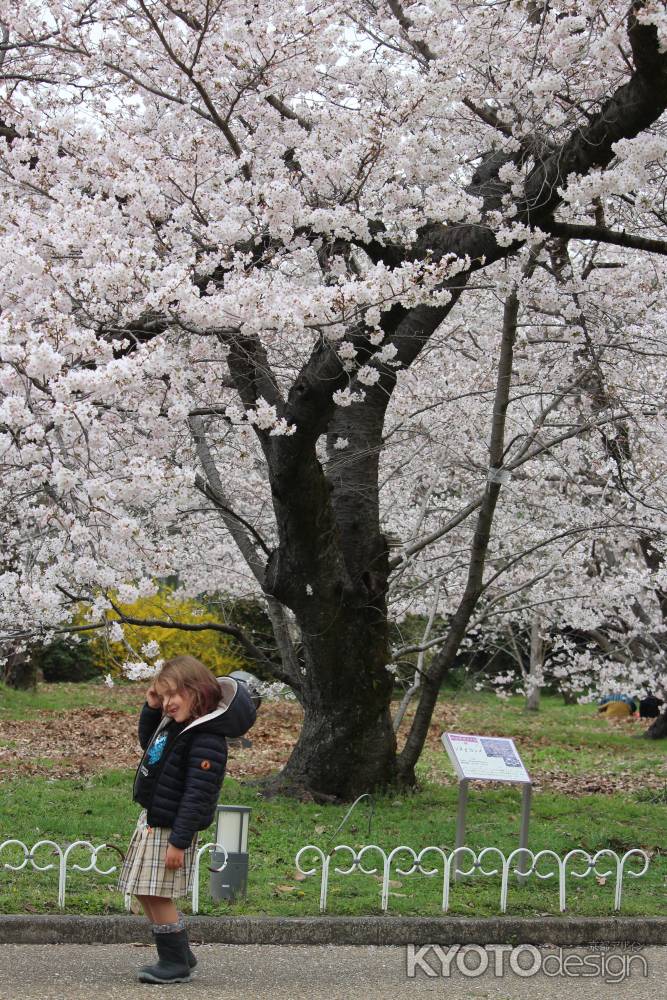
pixel 594 784
pixel 273 737
pixel 444 719
pixel 83 741
pixel 88 741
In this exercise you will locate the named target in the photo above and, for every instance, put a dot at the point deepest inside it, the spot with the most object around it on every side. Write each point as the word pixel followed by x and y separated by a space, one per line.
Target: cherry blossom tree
pixel 291 291
pixel 572 530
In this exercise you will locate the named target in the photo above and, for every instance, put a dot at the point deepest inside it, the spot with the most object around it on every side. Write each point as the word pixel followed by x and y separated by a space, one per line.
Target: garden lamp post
pixel 231 832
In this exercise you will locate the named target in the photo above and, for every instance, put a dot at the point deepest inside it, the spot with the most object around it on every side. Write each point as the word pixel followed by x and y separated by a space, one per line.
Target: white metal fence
pixel 65 863
pixel 449 866
pixel 430 862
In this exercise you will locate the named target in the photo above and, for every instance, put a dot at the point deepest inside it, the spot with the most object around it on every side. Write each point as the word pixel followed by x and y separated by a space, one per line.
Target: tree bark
pixel 658 729
pixel 20 672
pixel 347 744
pixel 335 582
pixel 534 678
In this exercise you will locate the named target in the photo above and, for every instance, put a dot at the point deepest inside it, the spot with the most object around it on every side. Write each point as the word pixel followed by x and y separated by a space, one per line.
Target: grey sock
pixel 169 928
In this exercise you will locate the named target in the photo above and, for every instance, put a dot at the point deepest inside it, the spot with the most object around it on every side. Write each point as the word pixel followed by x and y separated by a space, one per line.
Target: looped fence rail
pixel 542 865
pixel 65 864
pixel 62 863
pixel 430 862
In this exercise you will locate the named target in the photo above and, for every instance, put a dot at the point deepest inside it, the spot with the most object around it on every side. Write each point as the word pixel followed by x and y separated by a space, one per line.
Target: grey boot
pixel 192 959
pixel 172 965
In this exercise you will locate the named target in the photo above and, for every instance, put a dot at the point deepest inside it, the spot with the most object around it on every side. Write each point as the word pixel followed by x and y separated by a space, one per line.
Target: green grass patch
pixel 65 697
pixel 572 738
pixel 100 810
pixel 565 740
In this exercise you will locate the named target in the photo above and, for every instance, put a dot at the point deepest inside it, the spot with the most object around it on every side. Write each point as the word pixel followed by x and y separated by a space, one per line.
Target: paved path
pixel 251 972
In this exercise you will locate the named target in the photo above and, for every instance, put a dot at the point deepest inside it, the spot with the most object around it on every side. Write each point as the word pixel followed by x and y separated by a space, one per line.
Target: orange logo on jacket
pixel 205 765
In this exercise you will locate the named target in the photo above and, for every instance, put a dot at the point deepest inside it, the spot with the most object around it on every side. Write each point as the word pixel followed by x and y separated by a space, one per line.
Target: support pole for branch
pixel 478 550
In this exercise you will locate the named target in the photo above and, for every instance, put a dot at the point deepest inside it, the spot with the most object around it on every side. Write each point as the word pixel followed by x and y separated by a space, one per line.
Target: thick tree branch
pixel 286 112
pixel 419 45
pixel 232 630
pixel 633 107
pixel 252 374
pixel 571 231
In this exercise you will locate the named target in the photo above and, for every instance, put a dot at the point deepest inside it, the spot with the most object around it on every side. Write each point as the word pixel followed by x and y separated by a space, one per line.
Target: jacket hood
pixel 234 715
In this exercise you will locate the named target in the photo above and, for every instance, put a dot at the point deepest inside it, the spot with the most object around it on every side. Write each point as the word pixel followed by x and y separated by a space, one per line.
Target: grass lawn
pixel 65 697
pixel 568 743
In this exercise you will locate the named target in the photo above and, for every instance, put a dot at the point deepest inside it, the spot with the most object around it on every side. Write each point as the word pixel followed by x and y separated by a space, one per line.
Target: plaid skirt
pixel 144 873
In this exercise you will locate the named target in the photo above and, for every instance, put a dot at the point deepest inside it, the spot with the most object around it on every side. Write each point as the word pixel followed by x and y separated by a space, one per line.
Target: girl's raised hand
pixel 153 698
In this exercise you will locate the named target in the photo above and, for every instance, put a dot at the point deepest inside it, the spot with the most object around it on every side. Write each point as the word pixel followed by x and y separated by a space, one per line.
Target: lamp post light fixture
pixel 231 832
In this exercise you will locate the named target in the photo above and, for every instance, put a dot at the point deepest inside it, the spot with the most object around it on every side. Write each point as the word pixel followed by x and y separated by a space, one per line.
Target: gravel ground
pixel 251 972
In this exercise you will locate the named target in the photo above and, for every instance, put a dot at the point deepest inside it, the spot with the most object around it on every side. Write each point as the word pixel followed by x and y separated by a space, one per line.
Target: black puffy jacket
pixel 186 785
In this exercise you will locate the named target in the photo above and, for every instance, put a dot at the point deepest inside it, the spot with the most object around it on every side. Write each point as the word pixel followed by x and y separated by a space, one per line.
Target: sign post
pixel 487 758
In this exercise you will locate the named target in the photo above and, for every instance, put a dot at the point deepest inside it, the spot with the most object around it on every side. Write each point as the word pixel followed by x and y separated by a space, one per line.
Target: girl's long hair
pixel 185 673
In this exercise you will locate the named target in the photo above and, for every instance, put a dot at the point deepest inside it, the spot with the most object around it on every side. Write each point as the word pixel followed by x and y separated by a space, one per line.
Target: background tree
pixel 235 238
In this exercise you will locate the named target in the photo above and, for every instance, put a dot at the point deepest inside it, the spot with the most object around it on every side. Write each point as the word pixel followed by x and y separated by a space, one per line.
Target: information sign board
pixel 489 758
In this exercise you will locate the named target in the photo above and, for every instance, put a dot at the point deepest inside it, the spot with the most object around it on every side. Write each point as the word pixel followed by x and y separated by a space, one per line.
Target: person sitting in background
pixel 615 710
pixel 649 707
pixel 625 699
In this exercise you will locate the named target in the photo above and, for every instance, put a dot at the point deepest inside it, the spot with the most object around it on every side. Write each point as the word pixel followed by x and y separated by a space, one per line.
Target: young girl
pixel 182 729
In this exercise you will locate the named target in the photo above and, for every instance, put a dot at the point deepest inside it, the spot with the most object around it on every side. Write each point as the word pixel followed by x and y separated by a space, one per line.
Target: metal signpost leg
pixel 461 821
pixel 489 758
pixel 526 793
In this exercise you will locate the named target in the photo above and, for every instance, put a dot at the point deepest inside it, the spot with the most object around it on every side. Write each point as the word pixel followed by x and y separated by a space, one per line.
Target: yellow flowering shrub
pixel 219 652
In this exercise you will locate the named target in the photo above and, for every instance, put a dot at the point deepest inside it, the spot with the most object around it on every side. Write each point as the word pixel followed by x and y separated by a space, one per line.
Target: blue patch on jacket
pixel 155 751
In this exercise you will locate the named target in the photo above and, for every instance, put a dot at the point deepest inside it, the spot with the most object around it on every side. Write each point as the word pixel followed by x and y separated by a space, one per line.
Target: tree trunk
pixel 347 743
pixel 330 568
pixel 658 729
pixel 533 699
pixel 20 672
pixel 534 679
